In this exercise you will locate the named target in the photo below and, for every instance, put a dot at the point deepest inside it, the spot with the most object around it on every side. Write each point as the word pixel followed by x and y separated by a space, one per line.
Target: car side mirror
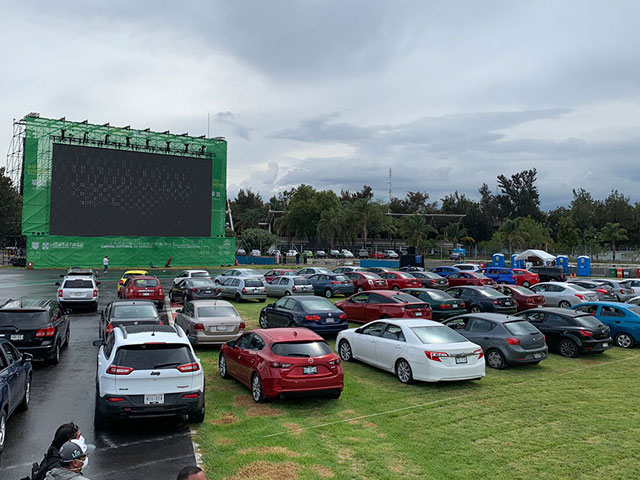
pixel 179 310
pixel 270 305
pixel 358 330
pixel 57 284
pixel 232 344
pixel 26 357
pixel 97 343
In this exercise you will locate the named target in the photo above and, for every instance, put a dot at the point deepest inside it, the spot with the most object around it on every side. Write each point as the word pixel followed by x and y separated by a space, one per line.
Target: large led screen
pixel 100 192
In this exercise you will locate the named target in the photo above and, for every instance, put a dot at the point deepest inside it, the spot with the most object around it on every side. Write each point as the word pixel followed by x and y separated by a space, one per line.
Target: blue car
pixel 317 314
pixel 329 285
pixel 15 383
pixel 623 319
pixel 444 271
pixel 499 275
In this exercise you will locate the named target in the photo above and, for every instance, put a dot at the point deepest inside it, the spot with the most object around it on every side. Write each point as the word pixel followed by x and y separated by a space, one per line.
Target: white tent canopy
pixel 543 257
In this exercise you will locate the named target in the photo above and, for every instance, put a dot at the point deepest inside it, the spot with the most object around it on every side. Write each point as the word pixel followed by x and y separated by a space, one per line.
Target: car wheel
pixel 403 371
pixel 287 293
pixel 222 366
pixel 624 340
pixel 564 304
pixel 360 289
pixel 67 336
pixel 336 395
pixel 496 360
pixel 237 297
pixel 256 389
pixel 55 356
pixel 3 428
pixel 27 395
pixel 344 350
pixel 475 309
pixel 197 417
pixel 263 321
pixel 568 348
pixel 328 293
pixel 526 284
pixel 395 287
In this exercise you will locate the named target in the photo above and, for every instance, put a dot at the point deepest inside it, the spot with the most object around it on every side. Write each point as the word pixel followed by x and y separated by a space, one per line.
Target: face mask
pixel 84 464
pixel 81 440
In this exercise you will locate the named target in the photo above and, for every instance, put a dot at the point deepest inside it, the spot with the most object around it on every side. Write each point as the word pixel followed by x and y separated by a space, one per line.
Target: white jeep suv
pixel 148 371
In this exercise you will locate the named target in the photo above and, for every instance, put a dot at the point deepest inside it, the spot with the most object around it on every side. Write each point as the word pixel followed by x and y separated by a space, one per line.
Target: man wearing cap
pixel 74 456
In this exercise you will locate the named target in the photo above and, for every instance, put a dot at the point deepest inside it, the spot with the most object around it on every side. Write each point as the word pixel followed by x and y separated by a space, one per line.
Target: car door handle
pixel 398 347
pixel 486 338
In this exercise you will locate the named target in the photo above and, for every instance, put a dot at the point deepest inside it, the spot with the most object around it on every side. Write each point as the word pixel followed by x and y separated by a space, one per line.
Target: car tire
pixel 403 371
pixel 526 284
pixel 359 289
pixel 237 298
pixel 262 320
pixel 3 429
pixel 475 309
pixel 395 287
pixel 287 293
pixel 26 400
pixel 568 348
pixel 261 300
pixel 67 337
pixel 495 359
pixel 336 395
pixel 564 304
pixel 345 352
pixel 55 356
pixel 256 389
pixel 197 417
pixel 222 366
pixel 624 340
pixel 328 293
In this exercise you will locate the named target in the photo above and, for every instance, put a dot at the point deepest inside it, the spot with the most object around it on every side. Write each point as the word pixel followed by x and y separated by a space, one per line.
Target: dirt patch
pixel 224 441
pixel 259 410
pixel 324 472
pixel 294 428
pixel 369 424
pixel 348 413
pixel 267 471
pixel 226 418
pixel 270 450
pixel 243 401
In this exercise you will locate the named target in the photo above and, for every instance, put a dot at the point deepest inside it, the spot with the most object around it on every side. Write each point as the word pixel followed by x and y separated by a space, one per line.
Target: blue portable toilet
pixel 516 263
pixel 497 260
pixel 584 266
pixel 562 261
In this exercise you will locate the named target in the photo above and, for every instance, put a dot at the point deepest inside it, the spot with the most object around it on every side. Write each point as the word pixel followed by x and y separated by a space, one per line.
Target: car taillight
pixel 581 297
pixel 95 293
pixel 462 305
pixel 293 289
pixel 189 367
pixel 496 302
pixel 531 300
pixel 60 293
pixel 242 326
pixel 586 333
pixel 193 290
pixel 432 280
pixel 445 306
pixel 110 328
pixel 116 370
pixel 199 327
pixel 370 282
pixel 121 282
pixel 622 290
pixel 279 365
pixel 46 332
pixel 601 290
pixel 312 318
pixel 244 290
pixel 334 362
pixel 334 282
pixel 479 353
pixel 513 341
pixel 343 317
pixel 544 337
pixel 435 356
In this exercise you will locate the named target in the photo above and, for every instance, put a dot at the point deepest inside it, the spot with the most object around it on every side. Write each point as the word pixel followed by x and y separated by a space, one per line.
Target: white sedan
pixel 191 274
pixel 413 350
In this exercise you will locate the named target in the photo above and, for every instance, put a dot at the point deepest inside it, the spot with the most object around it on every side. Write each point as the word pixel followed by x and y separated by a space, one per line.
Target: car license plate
pixel 221 328
pixel 330 320
pixel 309 370
pixel 17 337
pixel 461 359
pixel 604 344
pixel 418 314
pixel 146 294
pixel 537 355
pixel 207 291
pixel 150 399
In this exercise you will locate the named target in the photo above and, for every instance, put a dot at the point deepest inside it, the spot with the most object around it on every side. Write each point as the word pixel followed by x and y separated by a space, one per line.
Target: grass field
pixel 565 418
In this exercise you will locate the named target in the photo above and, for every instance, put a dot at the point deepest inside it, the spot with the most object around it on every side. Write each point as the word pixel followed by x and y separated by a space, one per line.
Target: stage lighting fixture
pixel 128 141
pixel 62 136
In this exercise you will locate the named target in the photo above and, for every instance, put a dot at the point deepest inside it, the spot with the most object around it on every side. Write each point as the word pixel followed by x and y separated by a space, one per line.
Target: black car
pixel 314 313
pixel 549 274
pixel 570 332
pixel 127 312
pixel 194 289
pixel 38 327
pixel 483 299
pixel 431 280
pixel 15 384
pixel 605 292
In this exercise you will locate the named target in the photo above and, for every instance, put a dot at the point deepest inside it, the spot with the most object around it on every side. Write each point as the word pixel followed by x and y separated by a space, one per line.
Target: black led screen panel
pixel 99 192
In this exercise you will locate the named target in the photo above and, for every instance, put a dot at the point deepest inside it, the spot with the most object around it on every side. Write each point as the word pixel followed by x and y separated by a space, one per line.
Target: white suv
pixel 78 292
pixel 148 371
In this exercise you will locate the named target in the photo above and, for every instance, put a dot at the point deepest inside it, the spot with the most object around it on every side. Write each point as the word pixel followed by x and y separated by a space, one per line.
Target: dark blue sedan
pixel 443 271
pixel 317 314
pixel 15 384
pixel 329 285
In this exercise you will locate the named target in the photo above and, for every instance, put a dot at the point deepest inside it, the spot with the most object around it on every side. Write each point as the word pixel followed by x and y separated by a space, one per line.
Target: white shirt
pixel 105 261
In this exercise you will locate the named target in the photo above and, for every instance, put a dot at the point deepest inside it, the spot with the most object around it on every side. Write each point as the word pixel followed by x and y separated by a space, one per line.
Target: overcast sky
pixel 334 93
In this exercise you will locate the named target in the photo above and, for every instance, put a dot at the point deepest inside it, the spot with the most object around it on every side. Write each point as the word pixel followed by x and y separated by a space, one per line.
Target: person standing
pixel 64 433
pixel 297 258
pixel 105 262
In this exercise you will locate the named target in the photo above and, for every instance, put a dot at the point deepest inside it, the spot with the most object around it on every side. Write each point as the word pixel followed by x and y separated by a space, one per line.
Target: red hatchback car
pixel 525 278
pixel 368 306
pixel 400 280
pixel 143 287
pixel 367 281
pixel 281 361
pixel 525 298
pixel 378 255
pixel 458 279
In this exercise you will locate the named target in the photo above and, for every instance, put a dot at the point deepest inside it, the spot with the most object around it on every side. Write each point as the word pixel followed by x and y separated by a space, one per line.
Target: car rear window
pixel 405 298
pixel 318 305
pixel 491 292
pixel 146 282
pixel 134 311
pixel 153 356
pixel 405 275
pixel 371 276
pixel 437 334
pixel 253 283
pixel 250 272
pixel 340 278
pixel 200 274
pixel 23 319
pixel 442 296
pixel 588 321
pixel 218 311
pixel 522 290
pixel 301 349
pixel 521 327
pixel 579 288
pixel 78 283
pixel 301 281
pixel 205 282
pixel 635 310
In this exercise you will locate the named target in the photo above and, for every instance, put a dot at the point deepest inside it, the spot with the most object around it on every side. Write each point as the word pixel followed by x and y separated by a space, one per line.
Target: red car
pixel 525 298
pixel 143 287
pixel 279 272
pixel 525 278
pixel 377 255
pixel 458 279
pixel 281 361
pixel 368 306
pixel 366 281
pixel 400 280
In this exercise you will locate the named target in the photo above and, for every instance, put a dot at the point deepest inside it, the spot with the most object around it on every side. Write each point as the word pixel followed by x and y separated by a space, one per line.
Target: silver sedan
pixel 281 286
pixel 239 289
pixel 563 295
pixel 210 322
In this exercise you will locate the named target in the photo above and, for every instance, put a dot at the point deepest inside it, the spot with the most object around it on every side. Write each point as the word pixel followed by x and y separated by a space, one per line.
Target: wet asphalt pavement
pixel 155 449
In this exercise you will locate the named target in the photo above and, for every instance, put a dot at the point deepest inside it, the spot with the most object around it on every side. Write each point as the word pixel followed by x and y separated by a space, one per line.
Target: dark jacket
pixel 50 461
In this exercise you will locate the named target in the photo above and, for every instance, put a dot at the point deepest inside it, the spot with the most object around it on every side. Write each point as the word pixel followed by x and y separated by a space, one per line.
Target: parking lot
pixel 65 393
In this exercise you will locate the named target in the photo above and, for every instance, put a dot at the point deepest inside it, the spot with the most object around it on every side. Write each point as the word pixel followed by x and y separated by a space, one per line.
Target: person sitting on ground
pixel 74 457
pixel 191 473
pixel 51 460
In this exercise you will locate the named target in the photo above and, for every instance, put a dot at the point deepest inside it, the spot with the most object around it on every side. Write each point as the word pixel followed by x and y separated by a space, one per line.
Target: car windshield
pixel 520 327
pixel 205 282
pixel 491 292
pixel 522 290
pixel 78 283
pixel 404 298
pixel 200 274
pixel 438 334
pixel 249 272
pixel 253 283
pixel 134 311
pixel 153 356
pixel 318 305
pixel 405 275
pixel 301 349
pixel 217 311
pixel 301 281
pixel 146 282
pixel 437 295
pixel 340 278
pixel 23 319
pixel 588 321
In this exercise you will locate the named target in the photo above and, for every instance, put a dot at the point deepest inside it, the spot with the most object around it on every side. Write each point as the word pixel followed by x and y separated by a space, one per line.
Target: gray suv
pixel 243 288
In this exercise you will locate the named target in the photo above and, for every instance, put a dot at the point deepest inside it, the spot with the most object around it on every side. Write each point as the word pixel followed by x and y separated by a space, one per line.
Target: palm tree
pixel 330 225
pixel 511 234
pixel 365 210
pixel 416 228
pixel 612 233
pixel 456 233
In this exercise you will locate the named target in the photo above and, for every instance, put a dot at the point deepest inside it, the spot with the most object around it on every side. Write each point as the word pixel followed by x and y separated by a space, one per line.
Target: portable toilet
pixel 497 260
pixel 516 263
pixel 584 266
pixel 562 261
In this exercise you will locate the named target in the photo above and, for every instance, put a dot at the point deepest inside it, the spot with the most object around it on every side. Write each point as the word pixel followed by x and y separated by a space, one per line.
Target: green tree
pixel 511 234
pixel 611 234
pixel 535 233
pixel 330 225
pixel 568 235
pixel 256 238
pixel 10 210
pixel 416 229
pixel 519 195
pixel 456 233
